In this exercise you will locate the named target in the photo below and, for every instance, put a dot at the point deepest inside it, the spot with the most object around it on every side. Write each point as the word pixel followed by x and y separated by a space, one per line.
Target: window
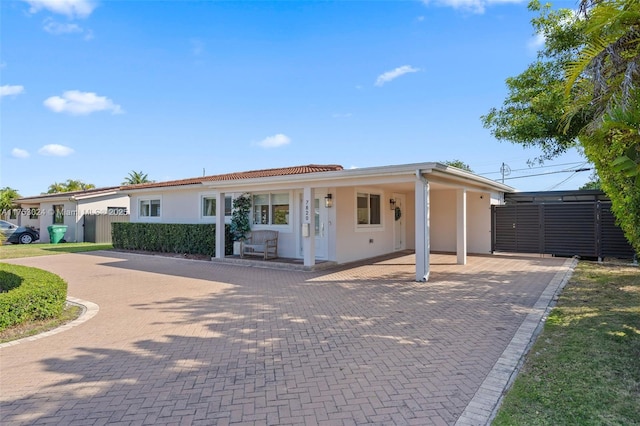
pixel 271 209
pixel 34 213
pixel 209 205
pixel 369 209
pixel 149 208
pixel 58 214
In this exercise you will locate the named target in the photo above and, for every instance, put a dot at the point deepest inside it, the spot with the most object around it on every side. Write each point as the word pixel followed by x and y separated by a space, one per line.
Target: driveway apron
pixel 178 341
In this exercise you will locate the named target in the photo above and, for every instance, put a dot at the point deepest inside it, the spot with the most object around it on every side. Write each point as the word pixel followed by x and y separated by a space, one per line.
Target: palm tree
pixel 607 73
pixel 7 197
pixel 56 187
pixel 68 186
pixel 609 62
pixel 135 178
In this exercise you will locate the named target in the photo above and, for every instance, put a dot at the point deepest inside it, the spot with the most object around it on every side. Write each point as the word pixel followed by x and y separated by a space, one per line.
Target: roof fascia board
pixel 137 191
pixel 469 179
pixel 37 200
pixel 103 194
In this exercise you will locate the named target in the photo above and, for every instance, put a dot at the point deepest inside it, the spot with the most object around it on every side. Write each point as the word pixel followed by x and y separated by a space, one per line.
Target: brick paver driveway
pixel 189 342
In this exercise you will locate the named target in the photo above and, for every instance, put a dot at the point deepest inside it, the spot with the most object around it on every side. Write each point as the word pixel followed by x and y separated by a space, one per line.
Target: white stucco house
pixel 324 212
pixel 69 208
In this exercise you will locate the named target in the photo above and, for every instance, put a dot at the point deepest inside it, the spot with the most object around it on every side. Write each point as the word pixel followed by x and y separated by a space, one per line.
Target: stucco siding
pixel 478 223
pixel 353 242
pixel 443 220
pixel 410 221
pixel 69 218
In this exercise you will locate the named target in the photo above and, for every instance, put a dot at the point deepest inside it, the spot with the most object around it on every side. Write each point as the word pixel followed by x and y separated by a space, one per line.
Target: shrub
pixel 28 294
pixel 169 237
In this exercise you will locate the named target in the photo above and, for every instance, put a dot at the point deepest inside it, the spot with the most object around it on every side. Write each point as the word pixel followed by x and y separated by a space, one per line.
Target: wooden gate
pixel 97 227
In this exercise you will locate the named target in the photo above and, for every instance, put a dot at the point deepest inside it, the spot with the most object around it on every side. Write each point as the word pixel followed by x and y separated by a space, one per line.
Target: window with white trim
pixel 369 209
pixel 271 209
pixel 209 205
pixel 149 208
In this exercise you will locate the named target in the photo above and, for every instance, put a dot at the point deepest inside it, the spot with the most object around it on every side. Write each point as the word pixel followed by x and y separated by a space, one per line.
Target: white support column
pixel 220 242
pixel 422 227
pixel 308 227
pixel 461 226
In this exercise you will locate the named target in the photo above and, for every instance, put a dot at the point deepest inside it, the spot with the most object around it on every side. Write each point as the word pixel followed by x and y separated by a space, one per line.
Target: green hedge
pixel 29 294
pixel 169 237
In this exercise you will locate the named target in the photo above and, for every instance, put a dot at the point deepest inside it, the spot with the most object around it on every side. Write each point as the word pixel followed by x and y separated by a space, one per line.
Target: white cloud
pixel 53 27
pixel 19 153
pixel 393 74
pixel 75 102
pixel 275 141
pixel 473 6
pixel 69 8
pixel 55 150
pixel 8 90
pixel 536 42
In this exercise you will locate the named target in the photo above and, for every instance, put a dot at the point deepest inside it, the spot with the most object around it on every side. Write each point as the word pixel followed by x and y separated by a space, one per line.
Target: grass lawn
pixel 584 368
pixel 13 251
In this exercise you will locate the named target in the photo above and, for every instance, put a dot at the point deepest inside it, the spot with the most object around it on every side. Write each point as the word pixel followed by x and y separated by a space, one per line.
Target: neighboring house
pixel 323 212
pixel 70 208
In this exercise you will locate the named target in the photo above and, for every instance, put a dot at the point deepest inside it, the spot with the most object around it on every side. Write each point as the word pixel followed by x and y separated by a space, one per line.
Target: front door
pixel 399 220
pixel 321 226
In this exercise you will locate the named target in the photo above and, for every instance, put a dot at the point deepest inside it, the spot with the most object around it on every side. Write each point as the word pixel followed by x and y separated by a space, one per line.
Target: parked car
pixel 17 234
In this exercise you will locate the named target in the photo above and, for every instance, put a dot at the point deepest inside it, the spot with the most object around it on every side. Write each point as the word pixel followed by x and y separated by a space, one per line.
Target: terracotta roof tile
pixel 252 174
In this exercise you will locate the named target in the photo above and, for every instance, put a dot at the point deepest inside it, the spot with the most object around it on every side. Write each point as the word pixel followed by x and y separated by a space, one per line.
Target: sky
pixel 93 90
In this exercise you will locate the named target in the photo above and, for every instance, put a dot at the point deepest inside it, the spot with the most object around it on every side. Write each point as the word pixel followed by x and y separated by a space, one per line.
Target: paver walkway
pixel 191 342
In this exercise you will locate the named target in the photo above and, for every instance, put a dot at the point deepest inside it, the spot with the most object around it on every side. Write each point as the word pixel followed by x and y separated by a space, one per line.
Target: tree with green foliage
pixel 594 183
pixel 135 178
pixel 582 91
pixel 69 186
pixel 7 198
pixel 458 164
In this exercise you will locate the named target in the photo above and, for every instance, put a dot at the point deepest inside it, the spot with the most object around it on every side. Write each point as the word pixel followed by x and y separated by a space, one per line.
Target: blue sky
pixel 92 90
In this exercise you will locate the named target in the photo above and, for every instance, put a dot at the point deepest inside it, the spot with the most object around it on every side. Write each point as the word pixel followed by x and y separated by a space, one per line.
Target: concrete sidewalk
pixel 192 342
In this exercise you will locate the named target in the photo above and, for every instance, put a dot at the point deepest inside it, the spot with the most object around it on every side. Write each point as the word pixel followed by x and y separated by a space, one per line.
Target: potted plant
pixel 240 220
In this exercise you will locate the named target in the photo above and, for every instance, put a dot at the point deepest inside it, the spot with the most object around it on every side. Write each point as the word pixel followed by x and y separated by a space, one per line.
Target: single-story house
pixel 69 208
pixel 324 212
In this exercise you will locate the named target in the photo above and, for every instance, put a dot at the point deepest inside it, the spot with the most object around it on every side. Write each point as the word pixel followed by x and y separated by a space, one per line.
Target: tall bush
pixel 169 237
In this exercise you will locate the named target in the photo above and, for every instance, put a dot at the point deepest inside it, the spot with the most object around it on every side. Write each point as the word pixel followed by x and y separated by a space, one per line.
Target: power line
pixel 551 173
pixel 533 168
pixel 551 188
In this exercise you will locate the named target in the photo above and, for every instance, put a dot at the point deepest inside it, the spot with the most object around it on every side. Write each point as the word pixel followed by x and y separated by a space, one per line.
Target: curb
pixel 89 310
pixel 484 405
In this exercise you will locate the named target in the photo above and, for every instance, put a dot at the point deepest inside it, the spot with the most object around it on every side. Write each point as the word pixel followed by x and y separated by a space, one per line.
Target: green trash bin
pixel 56 233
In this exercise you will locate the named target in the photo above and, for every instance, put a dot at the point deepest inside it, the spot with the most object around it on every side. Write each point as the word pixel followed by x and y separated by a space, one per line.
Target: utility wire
pixel 534 168
pixel 551 173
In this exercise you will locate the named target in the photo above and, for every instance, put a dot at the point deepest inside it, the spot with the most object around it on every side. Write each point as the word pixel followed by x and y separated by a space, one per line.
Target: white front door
pixel 321 226
pixel 399 220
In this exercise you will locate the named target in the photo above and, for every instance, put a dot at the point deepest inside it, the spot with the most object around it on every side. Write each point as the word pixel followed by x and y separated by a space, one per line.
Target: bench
pixel 260 243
